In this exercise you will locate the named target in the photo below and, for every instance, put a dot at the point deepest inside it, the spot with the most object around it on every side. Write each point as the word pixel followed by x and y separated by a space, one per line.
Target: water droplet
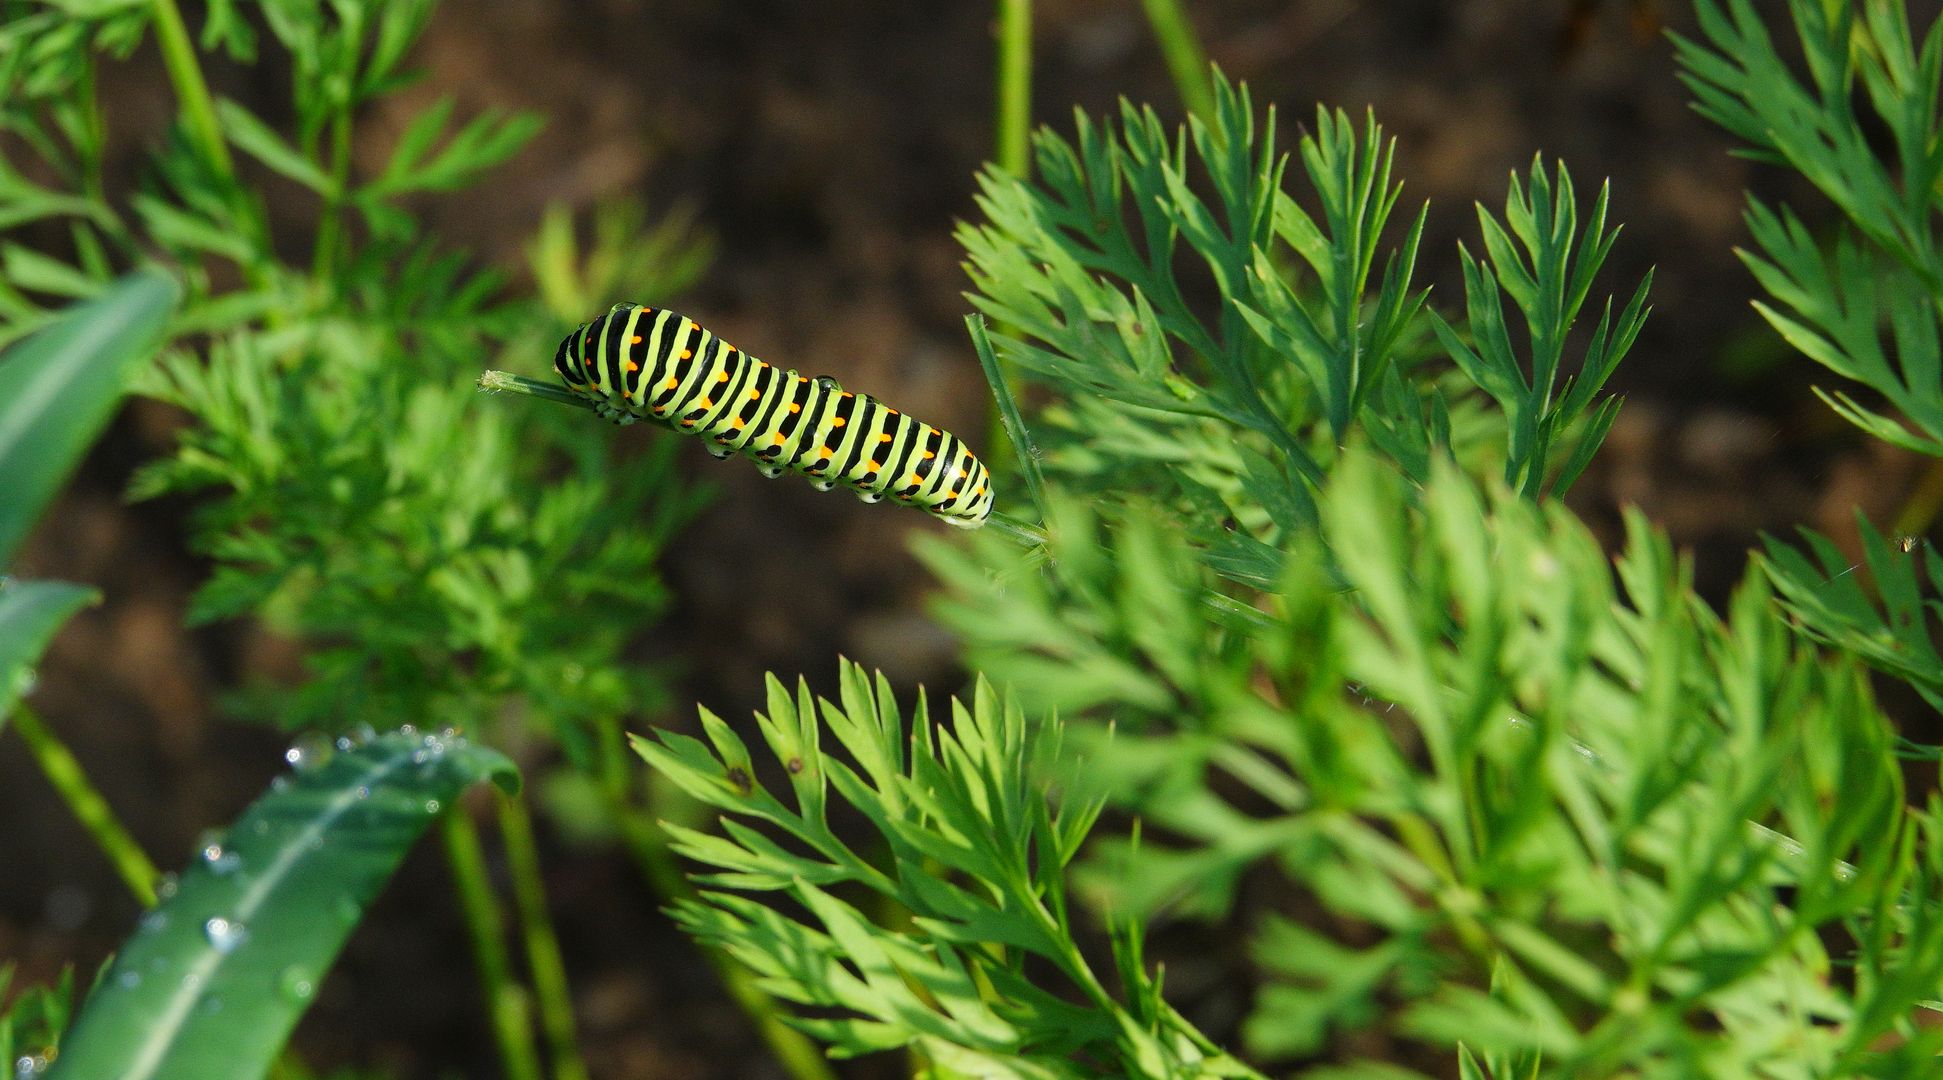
pixel 348 910
pixel 311 749
pixel 279 783
pixel 129 979
pixel 27 1066
pixel 153 920
pixel 408 731
pixel 211 1005
pixel 223 934
pixel 165 885
pixel 363 733
pixel 433 806
pixel 344 743
pixel 364 791
pixel 296 984
pixel 25 682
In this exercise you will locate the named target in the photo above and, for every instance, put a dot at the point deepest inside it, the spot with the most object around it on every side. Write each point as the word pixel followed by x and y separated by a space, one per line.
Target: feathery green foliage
pixel 1856 118
pixel 1887 626
pixel 1214 350
pixel 977 820
pixel 1544 811
pixel 1534 258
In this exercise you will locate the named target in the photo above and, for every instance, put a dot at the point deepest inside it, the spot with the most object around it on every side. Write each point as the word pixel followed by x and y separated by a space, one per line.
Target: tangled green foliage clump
pixel 439 554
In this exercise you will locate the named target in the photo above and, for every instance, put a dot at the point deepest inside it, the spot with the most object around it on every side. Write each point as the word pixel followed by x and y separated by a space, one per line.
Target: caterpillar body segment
pixel 642 363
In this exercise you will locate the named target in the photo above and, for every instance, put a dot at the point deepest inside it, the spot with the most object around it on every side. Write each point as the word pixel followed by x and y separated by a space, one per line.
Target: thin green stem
pixel 84 801
pixel 647 844
pixel 506 1000
pixel 330 219
pixel 1186 60
pixel 542 944
pixel 1013 135
pixel 191 91
pixel 1009 438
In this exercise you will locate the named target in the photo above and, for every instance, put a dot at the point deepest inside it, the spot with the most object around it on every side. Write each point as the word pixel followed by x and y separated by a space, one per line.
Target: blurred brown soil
pixel 831 147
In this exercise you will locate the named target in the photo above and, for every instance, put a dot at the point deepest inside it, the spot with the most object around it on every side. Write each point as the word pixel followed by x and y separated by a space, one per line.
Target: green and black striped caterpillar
pixel 643 363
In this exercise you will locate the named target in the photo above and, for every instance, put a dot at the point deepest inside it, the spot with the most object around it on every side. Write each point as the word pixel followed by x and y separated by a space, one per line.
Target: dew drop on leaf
pixel 224 935
pixel 296 984
pixel 221 861
pixel 310 750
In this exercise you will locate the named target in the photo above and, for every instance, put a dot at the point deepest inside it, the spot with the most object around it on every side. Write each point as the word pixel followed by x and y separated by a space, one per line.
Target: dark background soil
pixel 831 146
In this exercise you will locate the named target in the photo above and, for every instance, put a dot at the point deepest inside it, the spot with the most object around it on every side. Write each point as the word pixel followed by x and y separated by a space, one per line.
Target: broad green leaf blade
pixel 58 387
pixel 30 613
pixel 212 982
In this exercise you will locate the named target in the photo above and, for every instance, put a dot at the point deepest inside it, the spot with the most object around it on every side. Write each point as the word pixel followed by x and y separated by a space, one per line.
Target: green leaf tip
pixel 59 386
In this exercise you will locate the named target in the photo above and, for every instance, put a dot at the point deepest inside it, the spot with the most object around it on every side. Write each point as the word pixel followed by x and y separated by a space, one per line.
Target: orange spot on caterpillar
pixel 671 384
pixel 929 454
pixel 686 353
pixel 874 465
pixel 632 366
pixel 780 438
pixel 825 453
pixel 737 424
pixel 793 407
pixel 755 395
pixel 838 422
pixel 635 340
pixel 884 437
pixel 721 376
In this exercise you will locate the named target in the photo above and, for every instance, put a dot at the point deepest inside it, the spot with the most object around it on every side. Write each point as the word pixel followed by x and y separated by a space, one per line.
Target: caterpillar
pixel 643 363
